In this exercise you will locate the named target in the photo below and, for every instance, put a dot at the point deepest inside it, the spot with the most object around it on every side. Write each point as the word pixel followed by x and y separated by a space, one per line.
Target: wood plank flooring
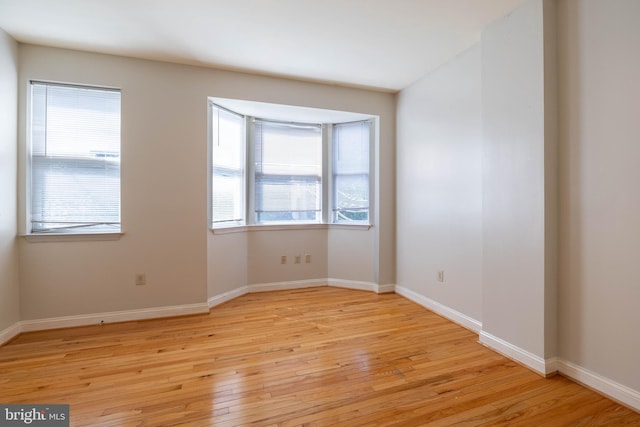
pixel 308 357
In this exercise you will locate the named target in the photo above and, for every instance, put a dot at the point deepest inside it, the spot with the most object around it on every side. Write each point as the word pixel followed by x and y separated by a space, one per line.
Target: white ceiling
pixel 381 44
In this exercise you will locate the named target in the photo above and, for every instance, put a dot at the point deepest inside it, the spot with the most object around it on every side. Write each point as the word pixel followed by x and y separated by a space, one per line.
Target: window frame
pixel 68 233
pixel 252 177
pixel 327 185
pixel 244 172
pixel 331 210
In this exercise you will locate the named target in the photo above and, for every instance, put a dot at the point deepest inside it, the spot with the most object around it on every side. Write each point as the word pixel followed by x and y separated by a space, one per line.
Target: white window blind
pixel 75 159
pixel 351 143
pixel 288 172
pixel 228 167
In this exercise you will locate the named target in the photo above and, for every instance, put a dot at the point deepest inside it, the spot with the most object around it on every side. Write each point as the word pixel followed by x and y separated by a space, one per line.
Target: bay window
pixel 270 171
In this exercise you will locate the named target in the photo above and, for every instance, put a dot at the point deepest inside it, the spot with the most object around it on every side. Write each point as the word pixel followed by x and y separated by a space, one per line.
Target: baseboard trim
pixel 300 284
pixel 441 309
pixel 281 286
pixel 528 359
pixel 386 289
pixel 354 284
pixel 9 333
pixel 612 389
pixel 227 296
pixel 180 310
pixel 551 366
pixel 112 317
pixel 546 367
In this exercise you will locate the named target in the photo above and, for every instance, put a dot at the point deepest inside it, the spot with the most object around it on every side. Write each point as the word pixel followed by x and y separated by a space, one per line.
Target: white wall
pixel 599 57
pixel 347 245
pixel 551 178
pixel 516 233
pixel 227 263
pixel 164 181
pixel 9 285
pixel 440 185
pixel 266 247
pixel 561 227
pixel 163 193
pixel 385 200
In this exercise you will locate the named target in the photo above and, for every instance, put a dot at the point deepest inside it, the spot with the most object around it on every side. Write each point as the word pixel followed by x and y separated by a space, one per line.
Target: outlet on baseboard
pixel 441 276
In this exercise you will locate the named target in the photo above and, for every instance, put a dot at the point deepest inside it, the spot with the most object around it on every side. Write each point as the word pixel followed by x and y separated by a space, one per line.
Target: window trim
pixel 282 227
pixel 26 176
pixel 72 237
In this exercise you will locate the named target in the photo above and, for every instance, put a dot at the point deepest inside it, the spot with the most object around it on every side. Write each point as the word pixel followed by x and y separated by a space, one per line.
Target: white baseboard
pixel 528 359
pixel 359 285
pixel 551 365
pixel 312 283
pixel 180 310
pixel 441 309
pixel 386 289
pixel 606 386
pixel 281 286
pixel 7 334
pixel 612 389
pixel 111 317
pixel 300 284
pixel 227 296
pixel 609 388
pixel 353 284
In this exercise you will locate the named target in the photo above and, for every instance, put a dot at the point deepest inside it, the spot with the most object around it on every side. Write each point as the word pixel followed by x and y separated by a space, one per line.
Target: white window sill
pixel 229 230
pixel 346 226
pixel 71 237
pixel 281 227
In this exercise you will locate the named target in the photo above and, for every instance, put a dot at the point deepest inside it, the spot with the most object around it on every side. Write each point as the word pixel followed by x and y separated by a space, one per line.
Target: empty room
pixel 310 213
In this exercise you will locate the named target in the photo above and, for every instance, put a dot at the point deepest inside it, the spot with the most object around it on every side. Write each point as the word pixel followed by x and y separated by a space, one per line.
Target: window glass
pixel 288 172
pixel 75 159
pixel 351 143
pixel 228 167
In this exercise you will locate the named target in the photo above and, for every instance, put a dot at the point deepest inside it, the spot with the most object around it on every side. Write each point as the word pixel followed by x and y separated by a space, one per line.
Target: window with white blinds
pixel 288 172
pixel 351 142
pixel 227 167
pixel 75 159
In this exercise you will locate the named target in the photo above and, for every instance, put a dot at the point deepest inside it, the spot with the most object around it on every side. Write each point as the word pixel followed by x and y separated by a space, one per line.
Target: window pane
pixel 351 172
pixel 228 164
pixel 288 170
pixel 75 159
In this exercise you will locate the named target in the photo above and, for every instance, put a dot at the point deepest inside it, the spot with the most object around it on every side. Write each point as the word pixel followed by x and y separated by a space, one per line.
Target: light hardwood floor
pixel 317 356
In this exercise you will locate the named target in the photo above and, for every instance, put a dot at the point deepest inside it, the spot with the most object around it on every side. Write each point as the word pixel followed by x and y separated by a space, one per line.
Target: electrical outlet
pixel 283 259
pixel 141 279
pixel 441 276
pixel 307 258
pixel 297 259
